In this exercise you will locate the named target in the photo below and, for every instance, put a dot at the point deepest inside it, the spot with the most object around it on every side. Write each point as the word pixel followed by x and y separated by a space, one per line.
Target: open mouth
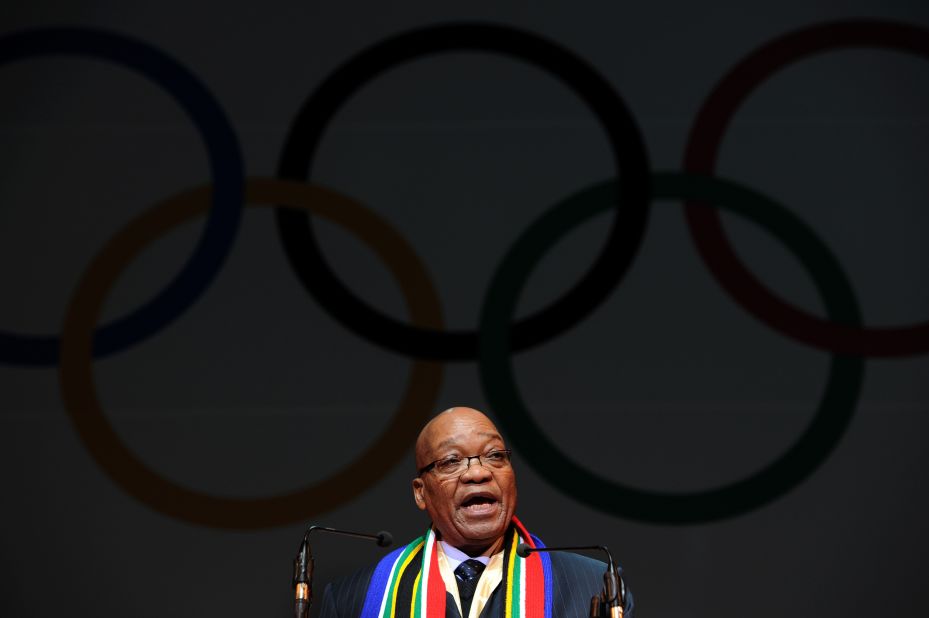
pixel 479 505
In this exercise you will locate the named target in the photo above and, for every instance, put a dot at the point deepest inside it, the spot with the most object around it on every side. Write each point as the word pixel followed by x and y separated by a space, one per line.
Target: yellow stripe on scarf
pixel 406 563
pixel 415 588
pixel 509 577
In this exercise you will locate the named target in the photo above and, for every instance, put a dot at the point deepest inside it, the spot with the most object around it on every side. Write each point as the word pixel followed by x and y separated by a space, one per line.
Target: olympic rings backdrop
pixel 257 346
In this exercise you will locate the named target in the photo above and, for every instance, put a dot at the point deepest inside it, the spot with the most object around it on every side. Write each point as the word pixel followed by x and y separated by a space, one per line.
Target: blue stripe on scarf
pixel 375 595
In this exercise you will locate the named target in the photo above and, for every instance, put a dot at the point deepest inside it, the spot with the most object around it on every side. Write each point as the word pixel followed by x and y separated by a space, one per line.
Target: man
pixel 466 564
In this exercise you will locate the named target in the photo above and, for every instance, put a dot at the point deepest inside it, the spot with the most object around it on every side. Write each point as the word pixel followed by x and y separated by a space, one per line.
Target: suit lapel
pixel 451 608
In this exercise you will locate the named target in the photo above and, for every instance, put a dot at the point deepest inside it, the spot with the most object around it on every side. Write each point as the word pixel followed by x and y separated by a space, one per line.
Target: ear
pixel 419 497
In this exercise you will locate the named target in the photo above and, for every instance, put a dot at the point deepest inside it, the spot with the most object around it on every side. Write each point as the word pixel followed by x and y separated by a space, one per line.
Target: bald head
pixel 435 435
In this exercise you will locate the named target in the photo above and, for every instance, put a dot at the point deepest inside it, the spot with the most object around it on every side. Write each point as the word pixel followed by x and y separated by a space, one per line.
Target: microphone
pixel 612 599
pixel 304 564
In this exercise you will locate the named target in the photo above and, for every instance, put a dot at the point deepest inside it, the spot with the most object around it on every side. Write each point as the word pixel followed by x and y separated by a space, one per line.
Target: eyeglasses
pixel 455 465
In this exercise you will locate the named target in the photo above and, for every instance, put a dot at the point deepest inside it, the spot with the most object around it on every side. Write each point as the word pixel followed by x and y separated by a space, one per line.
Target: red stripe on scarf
pixel 535 577
pixel 435 601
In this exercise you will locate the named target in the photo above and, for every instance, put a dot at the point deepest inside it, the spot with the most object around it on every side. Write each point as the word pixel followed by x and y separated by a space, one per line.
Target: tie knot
pixel 469 571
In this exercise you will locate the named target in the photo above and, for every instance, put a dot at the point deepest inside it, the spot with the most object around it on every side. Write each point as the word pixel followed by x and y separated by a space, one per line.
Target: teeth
pixel 474 501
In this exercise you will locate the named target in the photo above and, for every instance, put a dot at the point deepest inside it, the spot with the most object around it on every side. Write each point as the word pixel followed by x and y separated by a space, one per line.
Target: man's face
pixel 471 511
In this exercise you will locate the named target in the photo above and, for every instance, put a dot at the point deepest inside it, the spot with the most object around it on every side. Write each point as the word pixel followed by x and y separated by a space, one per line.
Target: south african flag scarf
pixel 407 582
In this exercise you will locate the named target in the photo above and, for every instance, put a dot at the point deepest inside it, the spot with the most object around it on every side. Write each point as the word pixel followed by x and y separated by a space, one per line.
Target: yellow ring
pixel 163 495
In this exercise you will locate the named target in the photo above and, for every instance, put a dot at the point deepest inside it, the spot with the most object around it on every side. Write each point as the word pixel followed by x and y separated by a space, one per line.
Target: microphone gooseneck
pixel 524 549
pixel 382 538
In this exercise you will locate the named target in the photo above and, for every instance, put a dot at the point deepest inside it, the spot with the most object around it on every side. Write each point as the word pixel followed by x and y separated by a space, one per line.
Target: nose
pixel 476 472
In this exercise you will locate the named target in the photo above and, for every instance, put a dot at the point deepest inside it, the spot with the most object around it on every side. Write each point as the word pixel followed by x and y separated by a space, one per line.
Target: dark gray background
pixel 668 386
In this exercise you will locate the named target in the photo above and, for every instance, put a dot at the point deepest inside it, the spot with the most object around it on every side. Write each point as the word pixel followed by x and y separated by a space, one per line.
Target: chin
pixel 485 531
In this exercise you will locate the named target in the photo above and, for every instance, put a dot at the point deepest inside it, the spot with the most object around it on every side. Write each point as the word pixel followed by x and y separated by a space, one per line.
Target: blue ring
pixel 226 168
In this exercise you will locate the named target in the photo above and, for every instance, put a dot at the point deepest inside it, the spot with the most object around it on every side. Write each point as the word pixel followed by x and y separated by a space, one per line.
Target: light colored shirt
pixel 450 557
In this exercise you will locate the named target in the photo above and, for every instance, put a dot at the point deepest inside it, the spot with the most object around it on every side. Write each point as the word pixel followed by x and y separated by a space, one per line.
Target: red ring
pixel 706 227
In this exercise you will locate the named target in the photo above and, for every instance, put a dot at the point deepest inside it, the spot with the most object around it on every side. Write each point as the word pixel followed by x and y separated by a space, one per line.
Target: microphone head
pixel 384 538
pixel 523 550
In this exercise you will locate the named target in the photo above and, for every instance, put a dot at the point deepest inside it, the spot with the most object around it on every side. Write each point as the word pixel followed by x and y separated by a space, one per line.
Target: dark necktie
pixel 467 574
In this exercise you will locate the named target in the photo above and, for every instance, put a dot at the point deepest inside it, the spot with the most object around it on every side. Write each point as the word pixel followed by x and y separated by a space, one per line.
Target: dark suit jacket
pixel 575 579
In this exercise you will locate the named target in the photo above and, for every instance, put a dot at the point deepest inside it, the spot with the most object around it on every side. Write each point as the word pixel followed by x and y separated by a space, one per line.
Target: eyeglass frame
pixel 430 467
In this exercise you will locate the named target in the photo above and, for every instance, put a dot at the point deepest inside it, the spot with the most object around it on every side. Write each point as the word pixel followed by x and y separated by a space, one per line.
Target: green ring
pixel 835 410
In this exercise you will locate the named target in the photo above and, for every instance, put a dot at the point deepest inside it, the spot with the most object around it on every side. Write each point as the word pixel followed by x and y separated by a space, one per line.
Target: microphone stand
pixel 303 577
pixel 613 596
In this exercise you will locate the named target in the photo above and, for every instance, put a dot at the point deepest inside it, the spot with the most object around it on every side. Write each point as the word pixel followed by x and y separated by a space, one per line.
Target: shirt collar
pixel 456 556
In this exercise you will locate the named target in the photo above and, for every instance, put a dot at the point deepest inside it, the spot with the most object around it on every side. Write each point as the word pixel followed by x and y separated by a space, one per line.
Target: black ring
pixel 617 255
